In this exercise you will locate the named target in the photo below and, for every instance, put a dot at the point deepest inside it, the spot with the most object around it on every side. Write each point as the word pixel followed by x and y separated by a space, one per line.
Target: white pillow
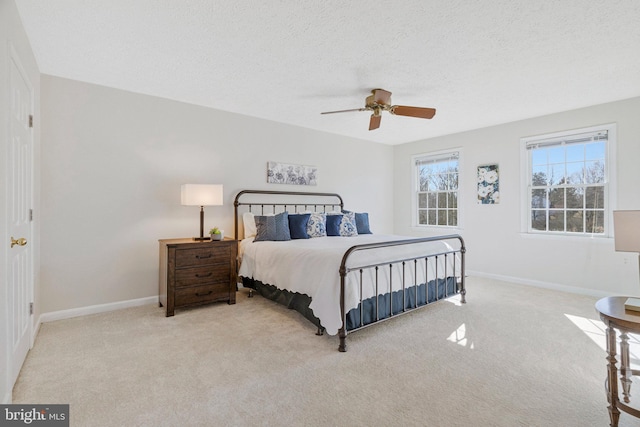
pixel 250 229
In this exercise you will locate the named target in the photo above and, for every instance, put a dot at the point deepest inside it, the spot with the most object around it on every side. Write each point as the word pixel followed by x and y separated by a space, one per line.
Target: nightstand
pixel 194 273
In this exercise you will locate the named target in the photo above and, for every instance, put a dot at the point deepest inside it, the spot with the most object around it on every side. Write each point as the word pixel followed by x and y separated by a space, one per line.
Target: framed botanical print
pixel 488 184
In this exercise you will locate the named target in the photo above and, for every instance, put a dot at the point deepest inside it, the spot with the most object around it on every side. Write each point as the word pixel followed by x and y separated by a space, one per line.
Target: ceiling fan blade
pixel 344 111
pixel 381 96
pixel 374 123
pixel 423 113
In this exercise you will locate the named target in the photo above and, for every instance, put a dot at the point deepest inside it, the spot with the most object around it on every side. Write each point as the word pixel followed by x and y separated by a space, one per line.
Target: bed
pixel 341 277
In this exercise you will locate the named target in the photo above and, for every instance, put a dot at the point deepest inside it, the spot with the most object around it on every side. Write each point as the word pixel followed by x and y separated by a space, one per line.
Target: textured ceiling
pixel 479 63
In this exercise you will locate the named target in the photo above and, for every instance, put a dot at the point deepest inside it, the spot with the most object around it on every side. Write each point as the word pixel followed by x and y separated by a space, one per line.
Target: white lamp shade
pixel 201 195
pixel 626 229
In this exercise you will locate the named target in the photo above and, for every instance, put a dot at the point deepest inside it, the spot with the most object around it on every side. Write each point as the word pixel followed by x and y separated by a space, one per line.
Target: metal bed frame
pixel 333 200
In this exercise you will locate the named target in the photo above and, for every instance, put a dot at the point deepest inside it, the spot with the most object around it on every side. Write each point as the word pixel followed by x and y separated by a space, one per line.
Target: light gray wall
pixel 496 246
pixel 12 35
pixel 113 163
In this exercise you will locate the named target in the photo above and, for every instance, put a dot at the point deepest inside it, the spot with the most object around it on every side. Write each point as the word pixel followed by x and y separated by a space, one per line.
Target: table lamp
pixel 626 230
pixel 201 195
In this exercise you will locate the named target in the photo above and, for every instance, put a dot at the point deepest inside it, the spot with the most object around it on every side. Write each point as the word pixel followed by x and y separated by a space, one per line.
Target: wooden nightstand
pixel 194 273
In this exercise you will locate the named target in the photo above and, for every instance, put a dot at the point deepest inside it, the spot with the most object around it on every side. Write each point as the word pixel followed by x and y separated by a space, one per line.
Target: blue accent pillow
pixel 298 225
pixel 272 227
pixel 333 224
pixel 362 222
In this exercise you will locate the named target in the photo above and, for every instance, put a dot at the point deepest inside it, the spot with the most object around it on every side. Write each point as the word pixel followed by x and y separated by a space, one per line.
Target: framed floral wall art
pixel 283 173
pixel 488 185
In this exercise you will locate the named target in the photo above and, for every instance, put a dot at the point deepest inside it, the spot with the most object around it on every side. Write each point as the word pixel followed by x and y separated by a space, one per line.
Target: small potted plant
pixel 216 233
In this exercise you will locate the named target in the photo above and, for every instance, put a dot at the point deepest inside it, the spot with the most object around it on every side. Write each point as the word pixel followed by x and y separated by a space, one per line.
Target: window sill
pixel 568 238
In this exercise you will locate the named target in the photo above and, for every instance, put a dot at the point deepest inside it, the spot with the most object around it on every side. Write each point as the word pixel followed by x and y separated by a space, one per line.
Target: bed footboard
pixel 410 294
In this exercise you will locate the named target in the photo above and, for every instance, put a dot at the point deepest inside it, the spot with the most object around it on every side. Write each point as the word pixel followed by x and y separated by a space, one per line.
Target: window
pixel 568 180
pixel 437 189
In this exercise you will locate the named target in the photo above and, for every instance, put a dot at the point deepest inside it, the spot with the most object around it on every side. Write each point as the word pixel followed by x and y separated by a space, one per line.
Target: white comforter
pixel 311 267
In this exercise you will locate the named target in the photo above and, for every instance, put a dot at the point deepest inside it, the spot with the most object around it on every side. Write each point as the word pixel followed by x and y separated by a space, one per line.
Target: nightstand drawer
pixel 202 294
pixel 210 254
pixel 201 275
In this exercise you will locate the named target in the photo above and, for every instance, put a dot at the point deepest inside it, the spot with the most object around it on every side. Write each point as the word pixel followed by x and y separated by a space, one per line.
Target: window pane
pixel 556 220
pixel 556 154
pixel 431 199
pixel 433 182
pixel 539 220
pixel 575 221
pixel 539 176
pixel 442 200
pixel 443 182
pixel 442 217
pixel 422 217
pixel 424 180
pixel 575 173
pixel 575 153
pixel 556 174
pixel 451 181
pixel 452 198
pixel 539 198
pixel 432 217
pixel 595 197
pixel 594 172
pixel 422 200
pixel 539 156
pixel 575 197
pixel 453 217
pixel 595 222
pixel 595 150
pixel 556 198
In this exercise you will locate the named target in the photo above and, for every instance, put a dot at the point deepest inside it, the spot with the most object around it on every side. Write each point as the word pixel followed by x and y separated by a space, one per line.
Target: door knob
pixel 20 242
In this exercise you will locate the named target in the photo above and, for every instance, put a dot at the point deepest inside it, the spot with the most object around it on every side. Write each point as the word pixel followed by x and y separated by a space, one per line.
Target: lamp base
pixel 204 239
pixel 632 304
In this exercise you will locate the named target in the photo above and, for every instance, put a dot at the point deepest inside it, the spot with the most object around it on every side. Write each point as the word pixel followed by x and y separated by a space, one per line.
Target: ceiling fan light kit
pixel 380 100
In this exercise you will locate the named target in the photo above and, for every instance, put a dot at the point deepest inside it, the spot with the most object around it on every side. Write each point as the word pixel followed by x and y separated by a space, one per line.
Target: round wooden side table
pixel 616 317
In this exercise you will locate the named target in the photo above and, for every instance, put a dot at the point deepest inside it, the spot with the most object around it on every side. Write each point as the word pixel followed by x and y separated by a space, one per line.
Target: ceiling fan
pixel 380 100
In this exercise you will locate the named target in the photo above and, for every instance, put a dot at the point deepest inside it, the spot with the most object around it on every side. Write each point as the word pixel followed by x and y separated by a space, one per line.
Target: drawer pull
pixel 204 275
pixel 198 294
pixel 203 256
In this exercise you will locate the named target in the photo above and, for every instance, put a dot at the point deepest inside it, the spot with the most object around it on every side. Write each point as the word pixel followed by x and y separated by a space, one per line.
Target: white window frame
pixel 609 187
pixel 415 187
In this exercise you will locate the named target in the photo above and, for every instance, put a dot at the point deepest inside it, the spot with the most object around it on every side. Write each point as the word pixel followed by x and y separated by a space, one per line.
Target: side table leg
pixel 625 372
pixel 612 377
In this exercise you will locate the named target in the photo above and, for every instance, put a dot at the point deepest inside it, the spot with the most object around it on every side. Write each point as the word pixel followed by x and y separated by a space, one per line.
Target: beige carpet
pixel 512 356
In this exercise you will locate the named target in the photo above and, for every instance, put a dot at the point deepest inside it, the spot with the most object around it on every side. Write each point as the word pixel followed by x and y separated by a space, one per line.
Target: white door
pixel 19 192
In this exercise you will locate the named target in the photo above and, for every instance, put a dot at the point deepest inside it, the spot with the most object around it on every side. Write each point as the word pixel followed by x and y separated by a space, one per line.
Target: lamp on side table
pixel 626 228
pixel 201 195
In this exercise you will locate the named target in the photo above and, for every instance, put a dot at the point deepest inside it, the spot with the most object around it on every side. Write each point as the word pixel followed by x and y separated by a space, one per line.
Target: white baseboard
pixel 94 309
pixel 36 329
pixel 6 400
pixel 541 284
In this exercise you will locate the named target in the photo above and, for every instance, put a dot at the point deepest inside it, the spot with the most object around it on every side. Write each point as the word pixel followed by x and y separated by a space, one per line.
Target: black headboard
pixel 266 201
